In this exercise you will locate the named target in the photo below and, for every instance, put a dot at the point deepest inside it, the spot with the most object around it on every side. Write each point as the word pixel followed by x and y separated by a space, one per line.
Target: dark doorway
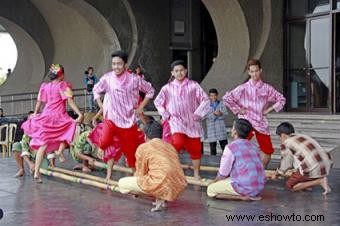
pixel 209 41
pixel 337 61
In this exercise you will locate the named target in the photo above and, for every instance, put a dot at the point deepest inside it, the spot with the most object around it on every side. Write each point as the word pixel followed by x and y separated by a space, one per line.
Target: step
pixel 304 116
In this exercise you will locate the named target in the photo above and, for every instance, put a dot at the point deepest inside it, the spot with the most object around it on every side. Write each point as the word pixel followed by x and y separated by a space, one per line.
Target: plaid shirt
pixel 306 155
pixel 241 160
pixel 215 126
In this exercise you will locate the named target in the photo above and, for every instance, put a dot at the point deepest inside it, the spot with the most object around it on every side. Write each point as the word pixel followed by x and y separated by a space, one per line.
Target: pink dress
pixel 53 126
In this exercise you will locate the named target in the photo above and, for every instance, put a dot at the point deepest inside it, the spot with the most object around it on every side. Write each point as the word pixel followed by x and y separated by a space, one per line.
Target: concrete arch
pixel 233 47
pixel 266 28
pixel 26 76
pixel 100 25
pixel 75 35
pixel 133 24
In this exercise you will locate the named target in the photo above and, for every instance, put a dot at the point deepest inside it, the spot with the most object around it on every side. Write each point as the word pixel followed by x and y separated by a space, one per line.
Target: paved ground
pixel 56 202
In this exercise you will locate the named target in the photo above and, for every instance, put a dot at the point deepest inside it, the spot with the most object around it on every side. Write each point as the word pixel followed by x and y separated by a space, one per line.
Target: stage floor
pixel 56 202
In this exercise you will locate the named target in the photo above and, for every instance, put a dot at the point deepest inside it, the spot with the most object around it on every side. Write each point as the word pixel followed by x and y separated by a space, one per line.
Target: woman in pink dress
pixel 53 128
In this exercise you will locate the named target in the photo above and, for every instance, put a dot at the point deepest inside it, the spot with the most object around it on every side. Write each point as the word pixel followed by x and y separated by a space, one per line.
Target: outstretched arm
pixel 94 119
pixel 69 94
pixel 75 109
pixel 37 107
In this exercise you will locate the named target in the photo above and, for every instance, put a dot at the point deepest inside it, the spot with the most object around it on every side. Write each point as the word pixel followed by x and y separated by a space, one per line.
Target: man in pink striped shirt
pixel 250 101
pixel 184 103
pixel 120 106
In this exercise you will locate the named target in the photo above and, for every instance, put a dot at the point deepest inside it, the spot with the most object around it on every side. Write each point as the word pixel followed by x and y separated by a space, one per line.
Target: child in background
pixel 216 129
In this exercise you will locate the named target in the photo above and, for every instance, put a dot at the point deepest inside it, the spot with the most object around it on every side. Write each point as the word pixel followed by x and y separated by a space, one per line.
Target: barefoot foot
pixel 324 184
pixel 86 169
pixel 20 173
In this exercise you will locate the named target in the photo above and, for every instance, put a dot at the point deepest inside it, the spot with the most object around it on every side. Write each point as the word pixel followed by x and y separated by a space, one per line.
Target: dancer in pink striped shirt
pixel 184 103
pixel 120 106
pixel 251 101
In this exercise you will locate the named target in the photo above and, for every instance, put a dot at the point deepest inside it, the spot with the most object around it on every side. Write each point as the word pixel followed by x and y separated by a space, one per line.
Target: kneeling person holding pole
pixel 241 175
pixel 158 169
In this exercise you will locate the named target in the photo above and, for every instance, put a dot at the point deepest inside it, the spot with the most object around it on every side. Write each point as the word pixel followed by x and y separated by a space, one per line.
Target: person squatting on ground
pixel 241 174
pixel 250 101
pixel 158 169
pixel 310 161
pixel 183 103
pixel 53 128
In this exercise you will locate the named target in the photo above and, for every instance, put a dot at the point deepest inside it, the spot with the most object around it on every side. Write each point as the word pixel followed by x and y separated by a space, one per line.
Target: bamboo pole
pixel 83 175
pixel 79 180
pixel 203 168
pixel 115 167
pixel 215 169
pixel 191 180
pixel 62 174
pixel 201 182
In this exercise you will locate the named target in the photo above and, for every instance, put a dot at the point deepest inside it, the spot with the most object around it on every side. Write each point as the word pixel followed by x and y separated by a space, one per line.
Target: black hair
pixel 121 54
pixel 90 68
pixel 52 75
pixel 152 129
pixel 30 112
pixel 242 127
pixel 286 128
pixel 213 90
pixel 178 62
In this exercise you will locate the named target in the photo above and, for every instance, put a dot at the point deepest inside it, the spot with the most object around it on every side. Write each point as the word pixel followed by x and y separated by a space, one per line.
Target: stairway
pixel 324 128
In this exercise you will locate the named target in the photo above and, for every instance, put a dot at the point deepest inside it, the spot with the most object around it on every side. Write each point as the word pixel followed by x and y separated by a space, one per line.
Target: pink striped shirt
pixel 184 105
pixel 121 96
pixel 255 98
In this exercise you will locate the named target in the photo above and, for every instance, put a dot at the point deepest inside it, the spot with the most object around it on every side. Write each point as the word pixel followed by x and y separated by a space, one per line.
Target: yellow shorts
pixel 129 184
pixel 221 187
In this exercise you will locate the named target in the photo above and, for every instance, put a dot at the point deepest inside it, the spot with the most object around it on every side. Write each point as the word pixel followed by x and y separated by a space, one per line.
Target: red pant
pixel 191 145
pixel 263 140
pixel 128 138
pixel 295 179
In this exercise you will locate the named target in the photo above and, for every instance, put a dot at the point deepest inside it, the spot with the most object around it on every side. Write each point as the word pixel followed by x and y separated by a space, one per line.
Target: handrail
pixel 21 103
pixel 29 93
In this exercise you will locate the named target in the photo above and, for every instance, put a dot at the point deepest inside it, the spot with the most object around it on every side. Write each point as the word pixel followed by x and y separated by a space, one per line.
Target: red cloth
pixel 263 140
pixel 191 145
pixel 297 178
pixel 111 152
pixel 129 139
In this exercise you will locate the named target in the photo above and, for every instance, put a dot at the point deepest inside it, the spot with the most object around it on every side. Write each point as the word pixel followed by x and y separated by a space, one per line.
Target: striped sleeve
pixel 160 103
pixel 230 99
pixel 204 101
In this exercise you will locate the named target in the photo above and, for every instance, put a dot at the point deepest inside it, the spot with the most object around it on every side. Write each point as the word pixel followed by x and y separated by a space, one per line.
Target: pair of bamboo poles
pixel 82 178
